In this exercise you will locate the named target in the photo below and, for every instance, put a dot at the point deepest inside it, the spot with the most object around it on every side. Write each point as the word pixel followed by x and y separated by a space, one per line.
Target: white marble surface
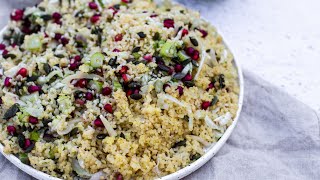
pixel 277 40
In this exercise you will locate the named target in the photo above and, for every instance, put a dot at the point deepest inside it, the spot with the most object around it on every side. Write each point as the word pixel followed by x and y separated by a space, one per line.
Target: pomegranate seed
pixel 95 18
pixel 195 55
pixel 23 72
pixel 7 82
pixel 116 50
pixel 98 123
pixel 106 91
pixel 165 86
pixel 93 5
pixel 124 77
pixel 188 77
pixel 108 108
pixel 189 51
pixel 2 46
pixel 129 92
pixel 82 83
pixel 118 37
pixel 178 68
pixel 32 89
pixel 74 66
pixel 170 72
pixel 203 32
pixel 153 15
pixel 168 23
pixel 123 69
pixel 89 96
pixel 184 32
pixel 77 58
pixel 148 57
pixel 64 41
pixel 33 120
pixel 58 22
pixel 5 52
pixel 17 15
pixel 80 102
pixel 11 130
pixel 57 36
pixel 136 91
pixel 210 86
pixel 27 143
pixel 205 105
pixel 180 90
pixel 118 176
pixel 56 16
pixel 125 1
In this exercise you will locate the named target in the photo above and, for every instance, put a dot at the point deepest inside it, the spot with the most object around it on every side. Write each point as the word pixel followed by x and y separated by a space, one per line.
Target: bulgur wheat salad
pixel 113 89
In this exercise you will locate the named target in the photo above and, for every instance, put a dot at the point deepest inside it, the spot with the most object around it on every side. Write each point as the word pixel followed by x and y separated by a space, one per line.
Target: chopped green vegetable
pixel 183 56
pixel 214 100
pixel 33 43
pixel 116 85
pixel 158 85
pixel 168 50
pixel 34 135
pixel 136 55
pixel 24 158
pixel 97 85
pixel 96 60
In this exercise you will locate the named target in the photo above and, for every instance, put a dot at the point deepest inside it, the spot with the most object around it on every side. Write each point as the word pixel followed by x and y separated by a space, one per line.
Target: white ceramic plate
pixel 211 151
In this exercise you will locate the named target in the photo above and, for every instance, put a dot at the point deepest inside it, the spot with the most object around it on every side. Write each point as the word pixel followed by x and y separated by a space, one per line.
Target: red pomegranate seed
pixel 93 5
pixel 184 32
pixel 108 108
pixel 81 102
pixel 178 68
pixel 89 96
pixel 27 143
pixel 17 15
pixel 124 77
pixel 5 52
pixel 188 77
pixel 74 66
pixel 118 37
pixel 148 57
pixel 116 50
pixel 136 91
pixel 195 55
pixel 11 130
pixel 180 90
pixel 56 16
pixel 58 22
pixel 170 72
pixel 118 176
pixel 23 72
pixel 205 105
pixel 189 51
pixel 7 82
pixel 98 123
pixel 129 92
pixel 125 1
pixel 123 69
pixel 82 83
pixel 106 91
pixel 32 89
pixel 33 120
pixel 95 18
pixel 203 32
pixel 2 46
pixel 64 41
pixel 57 36
pixel 210 86
pixel 153 15
pixel 165 86
pixel 77 58
pixel 168 23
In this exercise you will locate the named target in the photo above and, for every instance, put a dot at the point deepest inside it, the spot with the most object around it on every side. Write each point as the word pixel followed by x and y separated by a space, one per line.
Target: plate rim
pixel 176 175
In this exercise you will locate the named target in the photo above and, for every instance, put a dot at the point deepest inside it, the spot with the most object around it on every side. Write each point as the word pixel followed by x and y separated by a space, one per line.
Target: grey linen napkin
pixel 277 137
